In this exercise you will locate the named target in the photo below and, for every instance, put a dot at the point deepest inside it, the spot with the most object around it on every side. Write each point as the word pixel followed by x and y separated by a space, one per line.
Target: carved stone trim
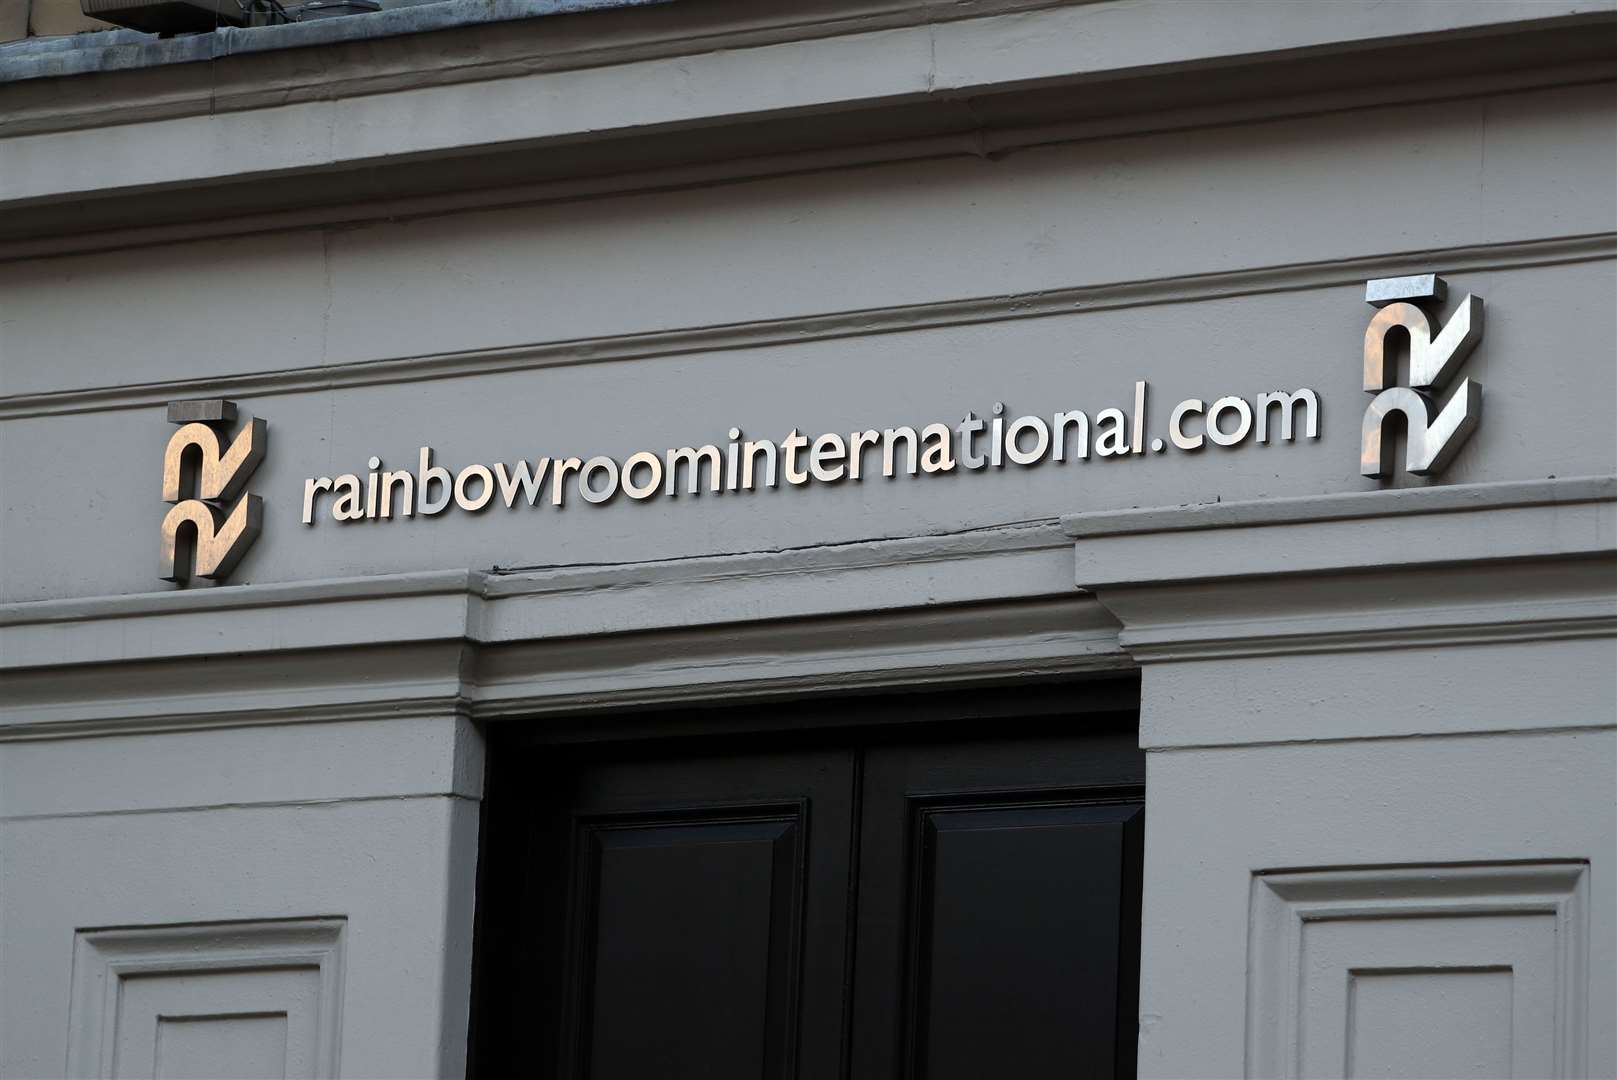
pixel 1023 560
pixel 724 662
pixel 1344 506
pixel 1284 903
pixel 103 959
pixel 1420 567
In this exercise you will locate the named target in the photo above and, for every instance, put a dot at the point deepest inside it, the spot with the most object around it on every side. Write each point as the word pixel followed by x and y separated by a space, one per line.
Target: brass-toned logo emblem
pixel 201 476
pixel 1434 437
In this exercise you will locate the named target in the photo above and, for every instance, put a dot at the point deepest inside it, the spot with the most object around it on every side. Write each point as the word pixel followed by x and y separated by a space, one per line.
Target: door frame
pixel 893 715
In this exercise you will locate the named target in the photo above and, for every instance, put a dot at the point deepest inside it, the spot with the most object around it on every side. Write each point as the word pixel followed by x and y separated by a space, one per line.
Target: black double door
pixel 922 903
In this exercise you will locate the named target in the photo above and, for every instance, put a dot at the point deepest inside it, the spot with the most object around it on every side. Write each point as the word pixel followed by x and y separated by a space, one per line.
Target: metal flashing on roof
pixel 167 16
pixel 124 50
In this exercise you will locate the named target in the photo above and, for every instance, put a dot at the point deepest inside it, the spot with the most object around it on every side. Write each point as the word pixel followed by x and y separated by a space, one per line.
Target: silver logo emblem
pixel 1435 436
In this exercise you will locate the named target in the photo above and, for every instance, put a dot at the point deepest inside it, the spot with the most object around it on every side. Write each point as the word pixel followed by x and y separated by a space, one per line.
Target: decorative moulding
pixel 933 646
pixel 1435 920
pixel 106 960
pixel 820 72
pixel 1457 565
pixel 508 47
pixel 1430 608
pixel 994 565
pixel 1356 531
pixel 945 644
pixel 1345 506
pixel 814 619
pixel 1002 604
pixel 389 682
pixel 822 326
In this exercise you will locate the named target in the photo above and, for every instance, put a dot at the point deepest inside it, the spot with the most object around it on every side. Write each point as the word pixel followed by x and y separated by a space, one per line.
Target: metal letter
pixel 592 494
pixel 311 487
pixel 1216 433
pixel 1430 361
pixel 825 458
pixel 530 482
pixel 937 445
pixel 655 464
pixel 406 480
pixel 749 462
pixel 789 447
pixel 1058 426
pixel 1382 291
pixel 890 438
pixel 1176 422
pixel 969 428
pixel 1431 444
pixel 857 441
pixel 481 474
pixel 223 473
pixel 1041 440
pixel 427 475
pixel 218 541
pixel 1110 438
pixel 558 475
pixel 1137 443
pixel 349 494
pixel 693 459
pixel 1287 403
pixel 207 411
pixel 196 536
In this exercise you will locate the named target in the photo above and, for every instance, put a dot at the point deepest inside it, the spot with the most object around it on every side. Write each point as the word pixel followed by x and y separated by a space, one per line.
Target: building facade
pixel 858 538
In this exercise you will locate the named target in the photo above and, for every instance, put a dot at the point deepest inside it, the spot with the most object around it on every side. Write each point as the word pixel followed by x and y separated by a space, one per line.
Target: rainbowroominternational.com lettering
pixel 741 464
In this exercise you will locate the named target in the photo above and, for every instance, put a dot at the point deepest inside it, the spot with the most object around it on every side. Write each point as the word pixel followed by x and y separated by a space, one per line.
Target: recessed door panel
pixel 1015 952
pixel 674 914
pixel 692 932
pixel 998 921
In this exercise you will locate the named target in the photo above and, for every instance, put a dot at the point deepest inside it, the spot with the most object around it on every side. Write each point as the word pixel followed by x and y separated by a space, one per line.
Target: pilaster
pixel 1383 684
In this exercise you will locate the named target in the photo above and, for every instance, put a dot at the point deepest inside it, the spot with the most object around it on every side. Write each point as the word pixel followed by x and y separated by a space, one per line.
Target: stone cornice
pixel 1355 531
pixel 539 641
pixel 1432 608
pixel 341 149
pixel 1366 615
pixel 1343 506
pixel 932 646
pixel 251 68
pixel 1024 560
pixel 1408 568
pixel 726 662
pixel 1469 565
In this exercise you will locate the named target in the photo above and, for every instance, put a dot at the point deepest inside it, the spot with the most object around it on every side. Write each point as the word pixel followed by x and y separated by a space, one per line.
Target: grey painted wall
pixel 1370 189
pixel 291 766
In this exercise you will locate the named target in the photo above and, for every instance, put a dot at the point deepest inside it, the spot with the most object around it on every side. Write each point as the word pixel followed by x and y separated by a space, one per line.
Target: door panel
pixel 679 915
pixel 690 933
pixel 1018 911
pixel 998 921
